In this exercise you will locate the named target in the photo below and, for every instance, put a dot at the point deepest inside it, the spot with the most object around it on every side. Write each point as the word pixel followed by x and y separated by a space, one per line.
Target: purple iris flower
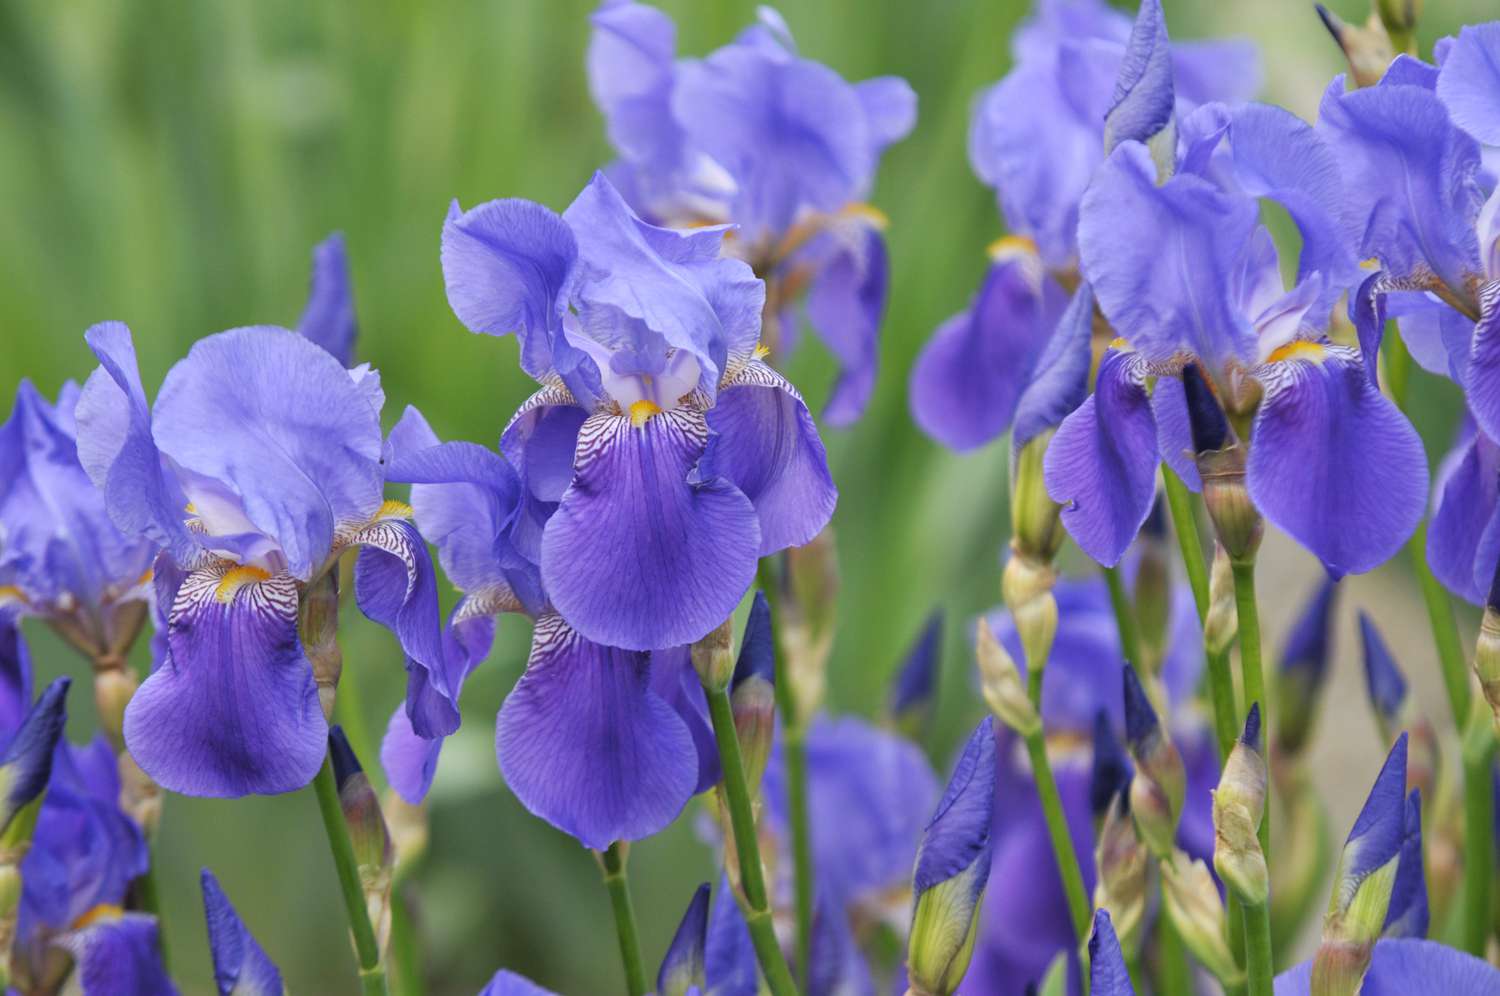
pixel 663 456
pixel 1408 965
pixel 605 744
pixel 1037 137
pixel 1026 920
pixel 778 145
pixel 1197 282
pixel 508 983
pixel 1418 151
pixel 61 558
pixel 258 467
pixel 1463 541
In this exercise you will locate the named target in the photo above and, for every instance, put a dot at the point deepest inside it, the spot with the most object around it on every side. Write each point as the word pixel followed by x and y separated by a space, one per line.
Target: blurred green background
pixel 172 164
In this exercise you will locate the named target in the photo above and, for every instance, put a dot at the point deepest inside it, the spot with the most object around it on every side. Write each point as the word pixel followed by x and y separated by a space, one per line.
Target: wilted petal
pixel 586 745
pixel 1335 463
pixel 637 557
pixel 328 319
pixel 241 966
pixel 233 709
pixel 764 442
pixel 1101 465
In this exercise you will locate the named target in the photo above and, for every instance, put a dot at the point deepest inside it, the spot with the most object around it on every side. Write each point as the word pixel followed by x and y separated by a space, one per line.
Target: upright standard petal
pixel 241 966
pixel 636 556
pixel 1470 78
pixel 233 709
pixel 278 421
pixel 969 379
pixel 328 318
pixel 586 745
pixel 1143 98
pixel 1101 465
pixel 763 440
pixel 1333 462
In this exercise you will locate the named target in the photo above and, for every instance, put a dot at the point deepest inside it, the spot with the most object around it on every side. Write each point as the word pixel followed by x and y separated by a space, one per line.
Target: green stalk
pixel 406 957
pixel 1119 599
pixel 371 974
pixel 794 749
pixel 1258 963
pixel 1254 679
pixel 1174 973
pixel 612 860
pixel 1079 906
pixel 1478 751
pixel 757 905
pixel 1180 504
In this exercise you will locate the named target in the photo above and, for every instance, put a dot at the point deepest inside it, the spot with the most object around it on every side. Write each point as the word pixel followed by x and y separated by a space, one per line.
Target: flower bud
pixel 1192 901
pixel 1221 465
pixel 318 625
pixel 1223 621
pixel 26 764
pixel 1304 670
pixel 112 693
pixel 752 693
pixel 1110 769
pixel 915 687
pixel 1157 790
pixel 1002 685
pixel 1409 914
pixel 1120 858
pixel 1396 710
pixel 1368 49
pixel 713 657
pixel 1364 881
pixel 1107 973
pixel 809 611
pixel 1399 18
pixel 1035 519
pixel 373 854
pixel 953 866
pixel 1238 804
pixel 240 963
pixel 1026 587
pixel 681 969
pixel 1153 588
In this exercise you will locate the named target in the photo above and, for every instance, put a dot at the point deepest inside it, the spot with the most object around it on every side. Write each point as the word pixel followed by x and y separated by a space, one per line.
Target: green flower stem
pixel 406 957
pixel 612 861
pixel 1180 504
pixel 1174 974
pixel 742 822
pixel 1479 828
pixel 1258 963
pixel 1254 678
pixel 1079 906
pixel 371 974
pixel 1119 600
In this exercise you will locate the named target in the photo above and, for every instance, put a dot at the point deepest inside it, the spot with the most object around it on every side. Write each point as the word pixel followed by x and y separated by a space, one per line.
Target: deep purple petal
pixel 1060 381
pixel 1408 914
pixel 958 837
pixel 674 679
pixel 1380 827
pixel 1482 383
pixel 586 745
pixel 764 442
pixel 1469 80
pixel 279 422
pixel 507 983
pixel 1101 465
pixel 15 677
pixel 26 763
pixel 1466 496
pixel 637 557
pixel 328 319
pixel 1383 678
pixel 233 709
pixel 119 957
pixel 1335 463
pixel 730 955
pixel 1174 431
pixel 915 685
pixel 241 966
pixel 969 378
pixel 1107 974
pixel 681 968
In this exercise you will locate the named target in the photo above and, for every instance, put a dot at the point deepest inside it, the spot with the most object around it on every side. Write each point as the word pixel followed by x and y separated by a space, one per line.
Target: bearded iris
pixel 780 146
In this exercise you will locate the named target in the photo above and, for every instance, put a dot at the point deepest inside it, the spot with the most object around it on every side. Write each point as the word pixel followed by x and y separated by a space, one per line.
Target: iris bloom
pixel 778 145
pixel 1037 137
pixel 257 468
pixel 1408 965
pixel 661 458
pixel 1026 922
pixel 1186 273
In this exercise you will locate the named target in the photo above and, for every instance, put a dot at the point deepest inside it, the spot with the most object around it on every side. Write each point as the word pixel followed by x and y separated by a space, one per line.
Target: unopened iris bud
pixel 1399 18
pixel 915 687
pixel 1409 914
pixel 1192 901
pixel 953 866
pixel 1026 587
pixel 1121 859
pixel 1487 650
pixel 241 965
pixel 113 690
pixel 1001 683
pixel 1157 790
pixel 1153 588
pixel 1368 49
pixel 1304 669
pixel 1107 973
pixel 681 969
pixel 1396 710
pixel 373 854
pixel 713 657
pixel 1223 621
pixel 1221 465
pixel 809 611
pixel 1110 769
pixel 752 693
pixel 1035 519
pixel 1364 881
pixel 26 765
pixel 1238 804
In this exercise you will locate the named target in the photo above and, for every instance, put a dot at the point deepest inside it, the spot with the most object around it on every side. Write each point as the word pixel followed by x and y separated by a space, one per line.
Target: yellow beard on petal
pixel 1299 349
pixel 641 412
pixel 104 911
pixel 393 509
pixel 236 578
